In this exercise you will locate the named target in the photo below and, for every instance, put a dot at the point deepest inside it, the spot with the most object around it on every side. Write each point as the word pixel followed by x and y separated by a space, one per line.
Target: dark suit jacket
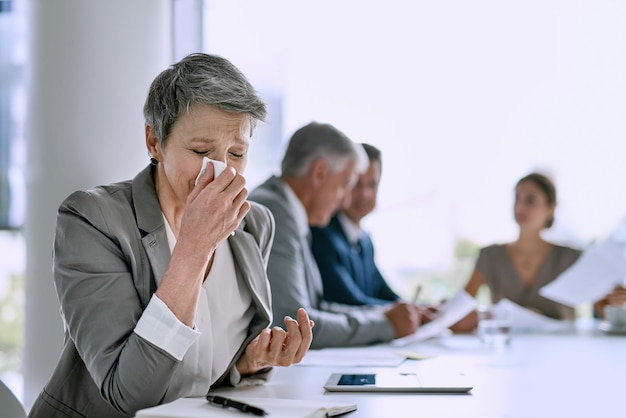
pixel 349 273
pixel 110 244
pixel 296 281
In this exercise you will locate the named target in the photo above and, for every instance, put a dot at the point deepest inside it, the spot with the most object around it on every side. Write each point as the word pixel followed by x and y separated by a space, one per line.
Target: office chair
pixel 11 406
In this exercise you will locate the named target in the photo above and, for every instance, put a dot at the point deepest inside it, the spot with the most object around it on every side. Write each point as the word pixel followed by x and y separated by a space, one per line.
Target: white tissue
pixel 218 167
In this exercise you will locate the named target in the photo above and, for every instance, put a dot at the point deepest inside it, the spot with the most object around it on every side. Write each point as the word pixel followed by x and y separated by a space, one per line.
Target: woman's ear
pixel 152 143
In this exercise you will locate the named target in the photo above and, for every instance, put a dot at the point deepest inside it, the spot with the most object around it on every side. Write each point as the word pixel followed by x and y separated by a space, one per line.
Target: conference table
pixel 579 373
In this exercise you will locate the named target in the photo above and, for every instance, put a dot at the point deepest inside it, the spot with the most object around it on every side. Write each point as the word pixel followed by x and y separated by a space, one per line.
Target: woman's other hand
pixel 277 347
pixel 617 297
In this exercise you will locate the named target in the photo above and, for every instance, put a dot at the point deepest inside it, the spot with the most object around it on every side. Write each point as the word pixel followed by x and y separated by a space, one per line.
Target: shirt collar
pixel 353 231
pixel 171 239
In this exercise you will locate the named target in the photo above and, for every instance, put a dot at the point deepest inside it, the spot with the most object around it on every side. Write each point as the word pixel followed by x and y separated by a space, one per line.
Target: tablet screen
pixel 357 379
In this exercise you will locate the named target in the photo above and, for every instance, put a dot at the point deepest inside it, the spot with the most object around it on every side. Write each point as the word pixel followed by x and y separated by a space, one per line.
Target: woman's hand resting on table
pixel 617 297
pixel 277 347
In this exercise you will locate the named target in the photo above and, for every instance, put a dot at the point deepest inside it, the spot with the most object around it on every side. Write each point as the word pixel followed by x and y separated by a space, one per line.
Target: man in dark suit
pixel 319 169
pixel 344 251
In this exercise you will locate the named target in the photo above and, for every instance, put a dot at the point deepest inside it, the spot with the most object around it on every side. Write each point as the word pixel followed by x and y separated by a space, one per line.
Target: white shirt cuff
pixel 159 326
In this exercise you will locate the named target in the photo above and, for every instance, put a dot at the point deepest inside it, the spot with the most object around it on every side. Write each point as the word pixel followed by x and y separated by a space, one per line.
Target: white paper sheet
pixel 598 270
pixel 449 313
pixel 526 320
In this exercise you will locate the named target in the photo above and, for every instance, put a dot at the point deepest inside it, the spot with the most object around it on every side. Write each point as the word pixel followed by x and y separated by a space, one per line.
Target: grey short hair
pixel 200 79
pixel 321 140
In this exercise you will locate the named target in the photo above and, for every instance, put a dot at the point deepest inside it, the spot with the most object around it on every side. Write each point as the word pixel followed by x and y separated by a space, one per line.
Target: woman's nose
pixel 221 158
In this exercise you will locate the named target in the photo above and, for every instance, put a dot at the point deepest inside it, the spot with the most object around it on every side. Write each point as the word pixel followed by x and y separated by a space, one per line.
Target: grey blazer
pixel 110 244
pixel 296 281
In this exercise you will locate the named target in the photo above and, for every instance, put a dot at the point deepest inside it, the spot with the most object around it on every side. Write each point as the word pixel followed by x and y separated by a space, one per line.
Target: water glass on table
pixel 616 317
pixel 494 327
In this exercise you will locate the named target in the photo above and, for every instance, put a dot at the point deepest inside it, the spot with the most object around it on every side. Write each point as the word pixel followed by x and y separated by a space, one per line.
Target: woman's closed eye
pixel 201 152
pixel 237 155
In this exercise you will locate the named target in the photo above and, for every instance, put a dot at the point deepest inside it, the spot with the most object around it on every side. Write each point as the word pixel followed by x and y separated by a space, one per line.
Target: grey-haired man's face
pixel 332 193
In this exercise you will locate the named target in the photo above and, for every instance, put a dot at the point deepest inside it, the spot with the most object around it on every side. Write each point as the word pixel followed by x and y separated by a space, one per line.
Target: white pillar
pixel 90 66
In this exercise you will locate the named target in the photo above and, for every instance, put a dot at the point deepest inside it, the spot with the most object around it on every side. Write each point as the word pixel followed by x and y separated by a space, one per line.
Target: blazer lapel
pixel 314 281
pixel 251 268
pixel 158 250
pixel 152 230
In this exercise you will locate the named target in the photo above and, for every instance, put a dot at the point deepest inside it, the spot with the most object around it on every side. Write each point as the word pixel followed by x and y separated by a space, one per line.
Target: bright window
pixel 463 98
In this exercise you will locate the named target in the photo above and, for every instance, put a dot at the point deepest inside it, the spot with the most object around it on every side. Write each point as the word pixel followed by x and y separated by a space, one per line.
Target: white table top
pixel 576 374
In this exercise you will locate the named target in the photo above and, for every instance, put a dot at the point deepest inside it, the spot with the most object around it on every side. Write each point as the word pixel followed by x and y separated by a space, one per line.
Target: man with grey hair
pixel 319 169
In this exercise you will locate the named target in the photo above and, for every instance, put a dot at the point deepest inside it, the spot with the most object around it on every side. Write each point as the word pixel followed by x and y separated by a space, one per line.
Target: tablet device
pixel 398 382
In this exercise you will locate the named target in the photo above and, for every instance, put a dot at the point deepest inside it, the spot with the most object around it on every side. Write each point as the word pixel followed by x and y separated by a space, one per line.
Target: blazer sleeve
pixel 94 262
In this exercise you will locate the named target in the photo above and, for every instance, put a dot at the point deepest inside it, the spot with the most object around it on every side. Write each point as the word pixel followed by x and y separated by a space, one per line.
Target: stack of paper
pixel 276 408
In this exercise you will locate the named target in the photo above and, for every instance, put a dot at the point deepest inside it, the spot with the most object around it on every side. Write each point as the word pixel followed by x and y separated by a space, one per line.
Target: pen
pixel 418 290
pixel 424 311
pixel 231 403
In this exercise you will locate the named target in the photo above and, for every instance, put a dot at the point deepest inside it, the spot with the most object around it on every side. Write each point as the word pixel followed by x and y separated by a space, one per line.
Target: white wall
pixel 463 98
pixel 90 67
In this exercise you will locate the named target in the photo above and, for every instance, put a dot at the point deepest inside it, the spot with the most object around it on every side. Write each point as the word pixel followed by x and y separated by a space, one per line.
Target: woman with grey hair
pixel 162 279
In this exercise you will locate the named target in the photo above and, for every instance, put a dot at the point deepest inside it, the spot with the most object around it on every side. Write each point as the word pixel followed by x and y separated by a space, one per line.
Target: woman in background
pixel 517 270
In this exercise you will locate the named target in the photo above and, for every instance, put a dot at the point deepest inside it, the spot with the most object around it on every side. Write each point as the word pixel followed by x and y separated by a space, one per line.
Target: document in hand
pixel 449 313
pixel 276 408
pixel 524 320
pixel 599 269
